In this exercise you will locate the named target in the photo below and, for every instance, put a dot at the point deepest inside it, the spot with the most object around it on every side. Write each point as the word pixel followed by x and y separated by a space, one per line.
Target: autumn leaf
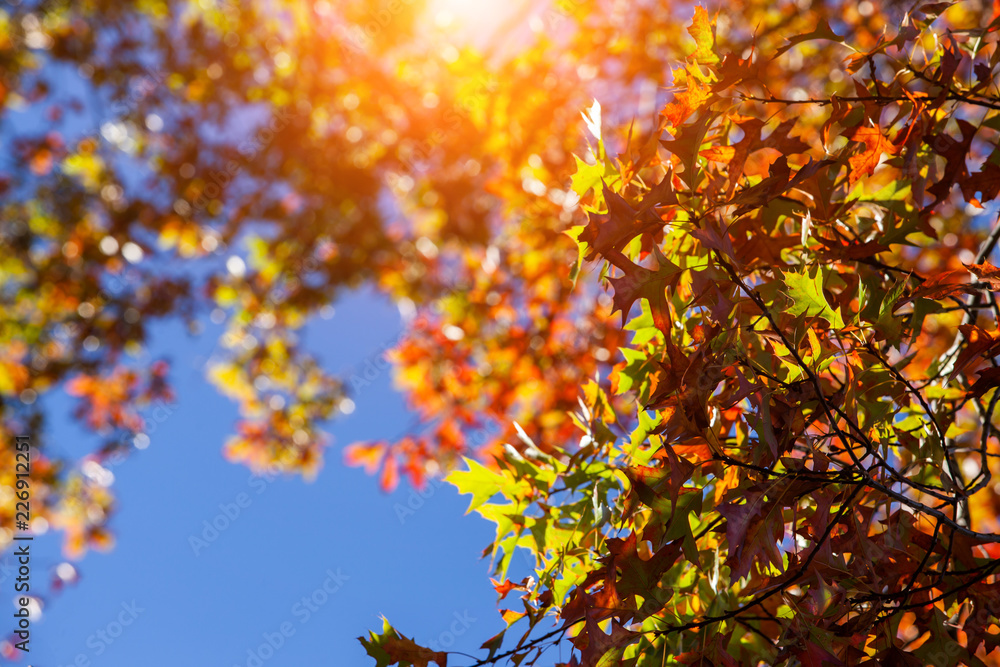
pixel 806 293
pixel 988 379
pixel 507 586
pixel 875 145
pixel 955 152
pixel 979 343
pixel 822 31
pixel 986 273
pixel 703 31
pixel 638 282
pixel 600 649
pixel 719 153
pixel 610 232
pixel 940 286
pixel 510 617
pixel 391 648
pixel 753 529
pixel 985 183
pixel 777 400
pixel 692 98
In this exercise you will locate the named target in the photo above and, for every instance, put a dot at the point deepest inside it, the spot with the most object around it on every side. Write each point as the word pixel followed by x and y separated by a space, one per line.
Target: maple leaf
pixel 876 144
pixel 753 529
pixel 806 292
pixel 390 648
pixel 985 183
pixel 608 233
pixel 599 649
pixel 640 282
pixel 955 153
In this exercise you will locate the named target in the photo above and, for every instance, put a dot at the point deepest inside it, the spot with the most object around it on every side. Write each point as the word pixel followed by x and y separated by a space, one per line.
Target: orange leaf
pixel 987 273
pixel 702 29
pixel 979 342
pixel 390 474
pixel 364 454
pixel 719 153
pixel 875 142
pixel 686 102
pixel 506 587
pixel 511 617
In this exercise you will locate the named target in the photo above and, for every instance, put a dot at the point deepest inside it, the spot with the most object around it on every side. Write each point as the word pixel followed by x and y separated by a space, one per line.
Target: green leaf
pixel 587 176
pixel 806 293
pixel 373 645
pixel 479 481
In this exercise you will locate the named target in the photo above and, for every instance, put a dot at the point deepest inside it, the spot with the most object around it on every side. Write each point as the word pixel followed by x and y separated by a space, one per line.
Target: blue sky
pixel 152 600
pixel 289 540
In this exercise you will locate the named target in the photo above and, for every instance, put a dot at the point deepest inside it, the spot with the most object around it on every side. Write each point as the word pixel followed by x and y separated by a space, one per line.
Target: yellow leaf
pixel 702 29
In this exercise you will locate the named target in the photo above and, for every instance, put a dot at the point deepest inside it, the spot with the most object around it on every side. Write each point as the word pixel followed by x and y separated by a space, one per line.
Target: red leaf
pixel 876 144
pixel 955 152
pixel 364 454
pixel 988 378
pixel 985 182
pixel 753 529
pixel 686 102
pixel 947 283
pixel 640 282
pixel 507 586
pixel 403 650
pixel 979 343
pixel 608 233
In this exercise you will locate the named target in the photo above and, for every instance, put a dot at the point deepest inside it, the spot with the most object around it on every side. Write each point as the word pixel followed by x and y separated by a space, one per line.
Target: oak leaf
pixel 864 163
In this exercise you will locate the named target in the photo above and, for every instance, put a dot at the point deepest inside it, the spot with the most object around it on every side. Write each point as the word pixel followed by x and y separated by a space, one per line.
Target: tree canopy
pixel 719 276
